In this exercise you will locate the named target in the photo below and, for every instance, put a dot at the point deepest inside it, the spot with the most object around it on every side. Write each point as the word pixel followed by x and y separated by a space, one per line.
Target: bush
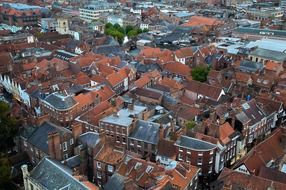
pixel 200 73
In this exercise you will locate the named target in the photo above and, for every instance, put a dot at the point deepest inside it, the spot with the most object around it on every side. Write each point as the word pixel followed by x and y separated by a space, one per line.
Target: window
pixel 98 164
pixel 65 146
pixel 98 175
pixel 123 140
pixel 188 159
pixel 200 154
pixel 71 141
pixel 200 161
pixel 66 156
pixel 188 152
pixel 211 152
pixel 110 168
pixel 180 157
pixel 117 139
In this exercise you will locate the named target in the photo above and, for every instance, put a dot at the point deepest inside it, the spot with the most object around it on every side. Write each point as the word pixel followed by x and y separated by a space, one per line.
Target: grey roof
pixel 117 120
pixel 263 32
pixel 253 112
pixel 26 132
pixel 73 162
pixel 242 117
pixel 250 66
pixel 115 182
pixel 40 136
pixel 52 175
pixel 60 101
pixel 194 144
pixel 269 54
pixel 90 139
pixel 146 131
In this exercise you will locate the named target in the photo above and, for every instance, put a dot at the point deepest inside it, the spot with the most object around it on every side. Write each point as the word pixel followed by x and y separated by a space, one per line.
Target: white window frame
pixel 71 141
pixel 98 165
pixel 65 146
pixel 110 168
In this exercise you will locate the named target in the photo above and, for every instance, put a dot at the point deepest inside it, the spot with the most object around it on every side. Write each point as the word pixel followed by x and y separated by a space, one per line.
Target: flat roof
pixel 132 112
pixel 118 120
pixel 21 6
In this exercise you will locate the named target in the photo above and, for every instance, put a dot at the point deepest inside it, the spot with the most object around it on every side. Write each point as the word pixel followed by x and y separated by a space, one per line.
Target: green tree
pixel 200 73
pixel 5 171
pixel 8 128
pixel 132 33
pixel 145 30
pixel 190 124
pixel 108 25
pixel 128 28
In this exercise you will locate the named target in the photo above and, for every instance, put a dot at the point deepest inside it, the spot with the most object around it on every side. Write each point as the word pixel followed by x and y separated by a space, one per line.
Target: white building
pixel 14 88
pixel 93 11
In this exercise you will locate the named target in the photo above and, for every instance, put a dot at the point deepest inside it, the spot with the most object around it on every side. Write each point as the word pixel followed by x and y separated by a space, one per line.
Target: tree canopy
pixel 8 128
pixel 119 32
pixel 200 73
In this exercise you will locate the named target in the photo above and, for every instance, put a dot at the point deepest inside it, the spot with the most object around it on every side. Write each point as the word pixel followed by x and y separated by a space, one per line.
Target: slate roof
pixel 269 54
pixel 250 66
pixel 146 131
pixel 115 182
pixel 40 136
pixel 253 112
pixel 194 144
pixel 51 175
pixel 60 101
pixel 91 139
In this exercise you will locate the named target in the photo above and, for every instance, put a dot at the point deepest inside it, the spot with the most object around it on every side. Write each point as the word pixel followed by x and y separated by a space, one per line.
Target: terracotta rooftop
pixel 177 68
pixel 269 149
pixel 109 155
pixel 204 89
pixel 184 52
pixel 202 21
pixel 232 180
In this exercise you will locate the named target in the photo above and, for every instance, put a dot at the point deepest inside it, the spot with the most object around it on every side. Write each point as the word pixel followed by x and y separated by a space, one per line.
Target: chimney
pixel 102 136
pixel 53 145
pixel 76 130
pixel 161 132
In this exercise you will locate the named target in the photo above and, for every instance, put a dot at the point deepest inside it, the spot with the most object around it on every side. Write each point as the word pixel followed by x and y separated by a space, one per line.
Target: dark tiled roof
pixel 115 182
pixel 146 131
pixel 60 101
pixel 250 66
pixel 272 174
pixel 52 175
pixel 253 112
pixel 204 89
pixel 90 139
pixel 194 144
pixel 40 137
pixel 147 93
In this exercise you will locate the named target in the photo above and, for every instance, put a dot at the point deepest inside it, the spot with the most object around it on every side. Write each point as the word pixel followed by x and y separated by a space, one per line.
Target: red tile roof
pixel 202 21
pixel 204 89
pixel 270 149
pixel 184 52
pixel 233 180
pixel 177 68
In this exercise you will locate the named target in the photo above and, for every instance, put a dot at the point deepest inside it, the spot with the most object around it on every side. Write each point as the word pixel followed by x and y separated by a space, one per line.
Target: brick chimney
pixel 76 130
pixel 54 142
pixel 161 132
